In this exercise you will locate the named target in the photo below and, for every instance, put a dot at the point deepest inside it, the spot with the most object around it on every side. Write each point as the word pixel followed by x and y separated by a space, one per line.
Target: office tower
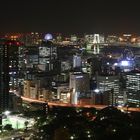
pixel 14 65
pixel 79 83
pixel 133 87
pixel 109 84
pixel 4 75
pixel 48 56
pixel 8 71
pixel 77 62
pixel 28 62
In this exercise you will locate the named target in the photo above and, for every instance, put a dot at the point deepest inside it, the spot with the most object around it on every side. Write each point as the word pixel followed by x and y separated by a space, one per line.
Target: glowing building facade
pixel 47 55
pixel 109 83
pixel 79 83
pixel 133 88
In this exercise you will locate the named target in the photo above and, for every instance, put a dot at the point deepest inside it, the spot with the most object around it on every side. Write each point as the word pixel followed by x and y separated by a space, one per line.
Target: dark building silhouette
pixel 8 70
pixel 4 75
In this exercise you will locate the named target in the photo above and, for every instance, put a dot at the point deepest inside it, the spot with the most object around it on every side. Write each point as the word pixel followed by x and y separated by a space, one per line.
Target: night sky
pixel 70 16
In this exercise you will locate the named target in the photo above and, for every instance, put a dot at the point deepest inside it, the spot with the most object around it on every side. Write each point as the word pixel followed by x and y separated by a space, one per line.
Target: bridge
pixel 127 109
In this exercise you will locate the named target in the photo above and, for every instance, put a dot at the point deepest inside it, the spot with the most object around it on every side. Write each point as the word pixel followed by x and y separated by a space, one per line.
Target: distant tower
pixel 96 42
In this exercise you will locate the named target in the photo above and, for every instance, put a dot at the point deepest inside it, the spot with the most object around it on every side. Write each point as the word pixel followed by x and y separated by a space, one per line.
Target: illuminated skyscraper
pixel 79 83
pixel 13 64
pixel 48 55
pixel 77 62
pixel 109 83
pixel 133 87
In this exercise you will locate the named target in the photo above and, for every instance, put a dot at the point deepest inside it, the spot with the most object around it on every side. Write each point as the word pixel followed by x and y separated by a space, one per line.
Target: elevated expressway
pixel 29 100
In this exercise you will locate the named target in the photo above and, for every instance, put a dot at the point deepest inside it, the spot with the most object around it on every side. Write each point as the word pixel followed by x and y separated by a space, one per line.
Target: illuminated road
pixel 130 109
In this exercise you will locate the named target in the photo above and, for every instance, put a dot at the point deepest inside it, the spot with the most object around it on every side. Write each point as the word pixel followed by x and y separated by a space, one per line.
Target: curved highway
pixel 130 109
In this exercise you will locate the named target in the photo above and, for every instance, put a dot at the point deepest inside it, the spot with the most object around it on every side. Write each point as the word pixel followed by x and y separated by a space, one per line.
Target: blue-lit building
pixel 77 62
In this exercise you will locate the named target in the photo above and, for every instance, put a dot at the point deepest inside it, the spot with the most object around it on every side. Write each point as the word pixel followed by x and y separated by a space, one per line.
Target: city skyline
pixel 65 83
pixel 68 18
pixel 69 70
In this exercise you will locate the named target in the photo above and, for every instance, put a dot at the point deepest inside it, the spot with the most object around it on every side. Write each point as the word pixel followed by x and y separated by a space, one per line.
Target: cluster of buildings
pixel 94 69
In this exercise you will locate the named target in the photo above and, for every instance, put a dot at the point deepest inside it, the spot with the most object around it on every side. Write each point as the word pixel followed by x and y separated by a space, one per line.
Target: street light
pixel 97 90
pixel 98 96
pixel 7 113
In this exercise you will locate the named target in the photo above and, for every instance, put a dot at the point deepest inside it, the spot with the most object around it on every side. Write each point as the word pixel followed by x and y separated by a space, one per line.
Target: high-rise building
pixel 4 75
pixel 8 70
pixel 28 62
pixel 14 64
pixel 48 56
pixel 79 83
pixel 133 88
pixel 77 62
pixel 109 84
